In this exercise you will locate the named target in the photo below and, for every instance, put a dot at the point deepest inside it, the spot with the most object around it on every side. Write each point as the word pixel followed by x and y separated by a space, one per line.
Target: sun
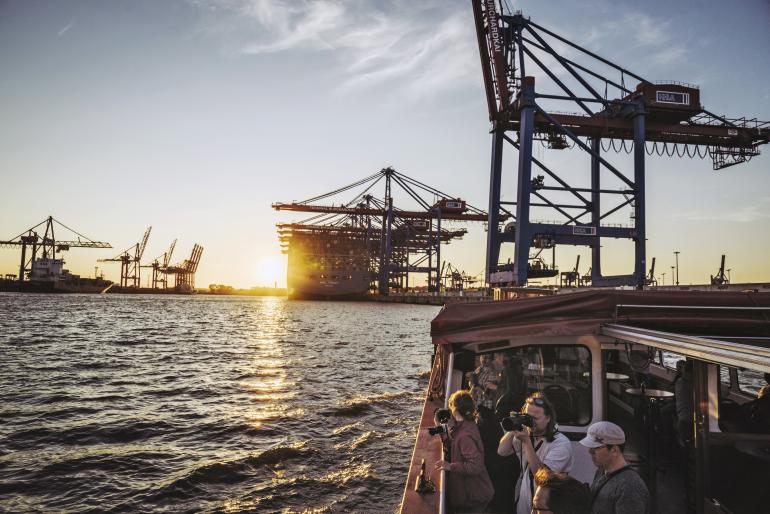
pixel 271 271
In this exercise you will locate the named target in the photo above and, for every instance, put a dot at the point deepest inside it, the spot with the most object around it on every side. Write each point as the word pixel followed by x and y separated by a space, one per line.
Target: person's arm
pixel 505 448
pixel 529 451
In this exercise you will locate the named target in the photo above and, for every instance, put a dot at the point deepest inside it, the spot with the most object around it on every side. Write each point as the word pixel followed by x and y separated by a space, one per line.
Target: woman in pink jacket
pixel 469 487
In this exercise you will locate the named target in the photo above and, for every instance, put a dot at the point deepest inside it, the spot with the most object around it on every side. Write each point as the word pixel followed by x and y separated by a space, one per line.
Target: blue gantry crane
pixel 652 118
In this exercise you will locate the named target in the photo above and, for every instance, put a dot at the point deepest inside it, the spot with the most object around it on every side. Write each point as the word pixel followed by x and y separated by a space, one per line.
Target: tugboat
pixel 613 355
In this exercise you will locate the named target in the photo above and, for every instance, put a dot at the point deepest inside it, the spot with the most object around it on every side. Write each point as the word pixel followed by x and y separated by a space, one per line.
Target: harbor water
pixel 132 403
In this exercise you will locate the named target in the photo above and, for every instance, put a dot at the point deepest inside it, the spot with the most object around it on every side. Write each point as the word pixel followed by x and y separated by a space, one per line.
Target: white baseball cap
pixel 603 433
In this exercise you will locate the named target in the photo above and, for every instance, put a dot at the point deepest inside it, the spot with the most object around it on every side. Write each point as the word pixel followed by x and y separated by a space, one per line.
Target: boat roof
pixel 726 315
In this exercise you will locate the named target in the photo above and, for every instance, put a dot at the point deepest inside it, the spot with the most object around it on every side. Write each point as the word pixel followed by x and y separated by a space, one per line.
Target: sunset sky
pixel 194 116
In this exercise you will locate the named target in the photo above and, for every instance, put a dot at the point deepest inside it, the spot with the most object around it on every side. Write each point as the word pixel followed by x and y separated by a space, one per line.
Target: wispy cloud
pixel 743 214
pixel 66 28
pixel 415 47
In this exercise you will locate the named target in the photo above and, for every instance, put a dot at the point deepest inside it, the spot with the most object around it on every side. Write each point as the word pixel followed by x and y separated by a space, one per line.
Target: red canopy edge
pixel 583 312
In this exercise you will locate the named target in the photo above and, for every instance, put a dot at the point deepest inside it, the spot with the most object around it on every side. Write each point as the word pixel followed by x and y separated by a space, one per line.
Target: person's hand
pixel 522 435
pixel 443 465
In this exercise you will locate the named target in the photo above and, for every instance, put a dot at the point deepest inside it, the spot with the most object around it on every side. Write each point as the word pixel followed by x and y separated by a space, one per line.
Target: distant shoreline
pixel 222 290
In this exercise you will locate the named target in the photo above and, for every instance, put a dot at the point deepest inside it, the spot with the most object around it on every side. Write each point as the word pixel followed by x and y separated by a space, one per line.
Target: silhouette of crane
pixel 129 259
pixel 46 244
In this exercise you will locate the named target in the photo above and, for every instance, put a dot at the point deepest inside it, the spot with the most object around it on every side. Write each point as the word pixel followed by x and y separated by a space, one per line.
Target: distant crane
pixel 720 278
pixel 571 278
pixel 47 245
pixel 651 280
pixel 184 272
pixel 159 265
pixel 129 259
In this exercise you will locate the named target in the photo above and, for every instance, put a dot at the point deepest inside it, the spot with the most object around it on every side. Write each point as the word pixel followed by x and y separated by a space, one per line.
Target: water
pixel 125 403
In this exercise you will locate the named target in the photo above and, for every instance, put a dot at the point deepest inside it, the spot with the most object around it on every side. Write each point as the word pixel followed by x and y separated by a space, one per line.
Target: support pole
pixel 640 269
pixel 493 216
pixel 523 231
pixel 596 248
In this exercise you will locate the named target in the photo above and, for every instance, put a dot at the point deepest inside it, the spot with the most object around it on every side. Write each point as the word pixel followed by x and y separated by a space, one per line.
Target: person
pixel 683 400
pixel 559 493
pixel 616 488
pixel 513 385
pixel 486 379
pixel 758 410
pixel 537 446
pixel 469 486
pixel 503 471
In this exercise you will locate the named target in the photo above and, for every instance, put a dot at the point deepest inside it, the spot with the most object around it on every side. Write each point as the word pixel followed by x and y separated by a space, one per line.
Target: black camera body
pixel 517 422
pixel 441 417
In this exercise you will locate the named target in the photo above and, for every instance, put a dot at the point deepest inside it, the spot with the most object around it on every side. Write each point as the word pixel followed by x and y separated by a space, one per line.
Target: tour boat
pixel 611 355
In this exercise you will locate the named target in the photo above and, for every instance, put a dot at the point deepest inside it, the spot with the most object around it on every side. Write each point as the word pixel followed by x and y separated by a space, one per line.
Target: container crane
pixel 159 265
pixel 184 272
pixel 129 259
pixel 660 118
pixel 396 241
pixel 48 247
pixel 720 278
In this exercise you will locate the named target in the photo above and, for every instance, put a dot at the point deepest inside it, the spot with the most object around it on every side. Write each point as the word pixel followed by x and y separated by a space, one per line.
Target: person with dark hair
pixel 538 446
pixel 469 486
pixel 559 493
pixel 616 489
pixel 486 379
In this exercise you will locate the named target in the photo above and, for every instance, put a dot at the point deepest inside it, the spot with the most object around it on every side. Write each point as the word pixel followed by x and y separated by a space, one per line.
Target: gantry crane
pixel 129 259
pixel 396 241
pixel 662 118
pixel 184 272
pixel 48 246
pixel 720 278
pixel 159 265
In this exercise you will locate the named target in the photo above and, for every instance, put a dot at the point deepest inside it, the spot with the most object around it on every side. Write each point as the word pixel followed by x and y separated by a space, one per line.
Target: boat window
pixel 670 359
pixel 724 375
pixel 562 372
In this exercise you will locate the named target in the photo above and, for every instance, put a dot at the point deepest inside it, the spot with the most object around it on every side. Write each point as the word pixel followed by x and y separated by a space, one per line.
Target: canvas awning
pixel 699 313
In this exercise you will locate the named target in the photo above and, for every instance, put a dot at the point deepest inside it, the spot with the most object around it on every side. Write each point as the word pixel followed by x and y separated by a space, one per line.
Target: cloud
pixel 66 28
pixel 743 214
pixel 415 47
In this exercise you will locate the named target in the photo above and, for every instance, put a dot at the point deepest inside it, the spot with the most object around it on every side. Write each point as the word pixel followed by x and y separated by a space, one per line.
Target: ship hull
pixel 335 284
pixel 60 286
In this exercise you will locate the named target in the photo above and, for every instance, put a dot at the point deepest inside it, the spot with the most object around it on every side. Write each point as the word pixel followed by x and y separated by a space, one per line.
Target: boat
pixel 612 355
pixel 49 276
pixel 328 266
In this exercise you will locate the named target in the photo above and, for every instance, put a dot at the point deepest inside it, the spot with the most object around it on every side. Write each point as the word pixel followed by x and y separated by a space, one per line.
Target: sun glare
pixel 271 271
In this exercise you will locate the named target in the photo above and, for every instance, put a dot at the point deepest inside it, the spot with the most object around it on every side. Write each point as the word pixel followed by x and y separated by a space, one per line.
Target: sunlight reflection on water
pixel 207 403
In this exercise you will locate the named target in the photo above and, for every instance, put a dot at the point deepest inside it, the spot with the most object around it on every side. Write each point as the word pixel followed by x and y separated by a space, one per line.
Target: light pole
pixel 676 256
pixel 728 275
pixel 672 275
pixel 664 278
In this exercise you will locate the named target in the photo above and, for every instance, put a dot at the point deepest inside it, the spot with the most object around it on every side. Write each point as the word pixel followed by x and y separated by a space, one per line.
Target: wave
pixel 359 406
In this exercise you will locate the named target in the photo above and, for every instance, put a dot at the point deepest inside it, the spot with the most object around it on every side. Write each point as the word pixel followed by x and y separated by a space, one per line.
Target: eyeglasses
pixel 537 401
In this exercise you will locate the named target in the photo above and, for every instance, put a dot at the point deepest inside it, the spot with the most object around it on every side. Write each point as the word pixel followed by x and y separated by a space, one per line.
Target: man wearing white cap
pixel 616 489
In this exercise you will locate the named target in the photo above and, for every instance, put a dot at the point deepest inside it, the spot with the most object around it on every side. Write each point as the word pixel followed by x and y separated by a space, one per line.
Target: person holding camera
pixel 469 486
pixel 534 436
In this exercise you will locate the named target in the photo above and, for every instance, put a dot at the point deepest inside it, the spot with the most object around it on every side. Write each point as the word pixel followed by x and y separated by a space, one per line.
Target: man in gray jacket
pixel 616 489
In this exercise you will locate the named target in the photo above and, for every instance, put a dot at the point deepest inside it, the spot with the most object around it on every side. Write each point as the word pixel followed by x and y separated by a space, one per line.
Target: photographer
pixel 535 438
pixel 469 487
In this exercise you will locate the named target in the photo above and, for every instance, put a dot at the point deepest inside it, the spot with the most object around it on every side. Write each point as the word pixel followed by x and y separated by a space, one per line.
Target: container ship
pixel 328 263
pixel 49 276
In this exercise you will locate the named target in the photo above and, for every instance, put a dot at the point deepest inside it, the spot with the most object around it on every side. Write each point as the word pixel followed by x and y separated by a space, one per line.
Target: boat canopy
pixel 723 314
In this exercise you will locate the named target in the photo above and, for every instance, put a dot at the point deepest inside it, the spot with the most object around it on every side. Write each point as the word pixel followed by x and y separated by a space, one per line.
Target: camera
pixel 517 422
pixel 441 417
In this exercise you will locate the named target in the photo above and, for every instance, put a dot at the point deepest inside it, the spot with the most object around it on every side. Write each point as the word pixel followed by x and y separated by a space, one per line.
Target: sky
pixel 194 116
